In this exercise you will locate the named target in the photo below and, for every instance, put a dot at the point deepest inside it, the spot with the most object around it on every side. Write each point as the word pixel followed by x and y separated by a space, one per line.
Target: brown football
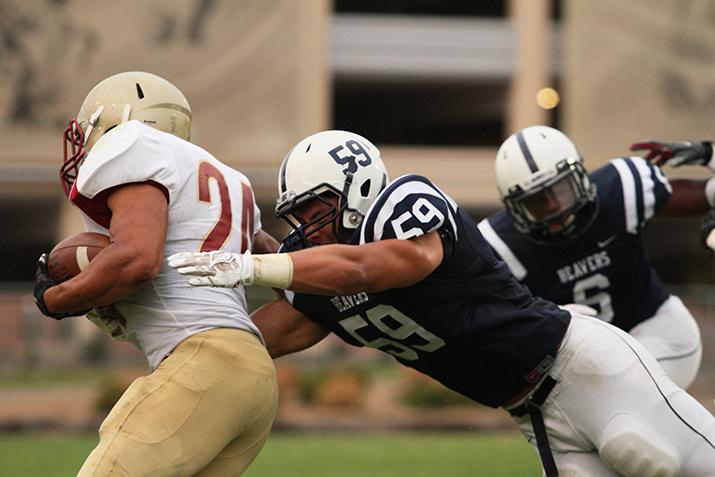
pixel 73 254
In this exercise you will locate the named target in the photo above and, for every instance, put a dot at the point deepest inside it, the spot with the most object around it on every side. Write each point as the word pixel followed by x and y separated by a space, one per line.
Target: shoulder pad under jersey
pixel 409 206
pixel 130 153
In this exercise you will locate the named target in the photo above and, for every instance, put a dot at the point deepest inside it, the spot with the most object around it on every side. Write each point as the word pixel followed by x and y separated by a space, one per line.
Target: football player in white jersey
pixel 573 237
pixel 400 267
pixel 208 405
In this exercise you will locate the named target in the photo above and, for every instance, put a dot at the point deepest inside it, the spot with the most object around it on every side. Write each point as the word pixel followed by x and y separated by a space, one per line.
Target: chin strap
pixel 346 190
pixel 125 112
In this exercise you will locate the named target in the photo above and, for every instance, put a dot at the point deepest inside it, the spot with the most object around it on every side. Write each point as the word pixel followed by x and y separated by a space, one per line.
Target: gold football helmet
pixel 115 100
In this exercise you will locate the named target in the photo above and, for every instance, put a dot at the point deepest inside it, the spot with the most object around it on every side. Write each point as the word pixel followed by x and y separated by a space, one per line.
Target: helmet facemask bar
pixel 74 154
pixel 342 166
pixel 287 209
pixel 76 137
pixel 570 190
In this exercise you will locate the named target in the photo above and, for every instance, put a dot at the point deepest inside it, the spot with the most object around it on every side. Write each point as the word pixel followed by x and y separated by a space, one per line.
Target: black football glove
pixel 707 225
pixel 677 154
pixel 43 281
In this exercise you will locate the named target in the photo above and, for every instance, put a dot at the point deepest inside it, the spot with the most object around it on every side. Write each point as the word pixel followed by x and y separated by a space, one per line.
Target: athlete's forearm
pixel 322 270
pixel 330 270
pixel 114 273
pixel 133 258
pixel 372 267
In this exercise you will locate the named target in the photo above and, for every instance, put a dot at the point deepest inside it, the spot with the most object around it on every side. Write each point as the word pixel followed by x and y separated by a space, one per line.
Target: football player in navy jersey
pixel 400 267
pixel 577 238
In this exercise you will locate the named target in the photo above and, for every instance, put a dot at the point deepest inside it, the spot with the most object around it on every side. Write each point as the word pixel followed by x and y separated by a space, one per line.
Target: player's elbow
pixel 147 272
pixel 141 268
pixel 148 268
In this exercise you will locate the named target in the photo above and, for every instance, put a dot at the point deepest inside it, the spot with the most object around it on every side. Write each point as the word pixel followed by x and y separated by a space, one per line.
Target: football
pixel 73 254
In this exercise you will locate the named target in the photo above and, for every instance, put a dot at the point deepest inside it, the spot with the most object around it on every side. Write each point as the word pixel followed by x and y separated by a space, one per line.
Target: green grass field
pixel 301 455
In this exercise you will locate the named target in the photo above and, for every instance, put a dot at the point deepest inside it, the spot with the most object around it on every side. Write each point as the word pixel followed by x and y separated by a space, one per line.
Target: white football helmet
pixel 117 99
pixel 330 162
pixel 544 185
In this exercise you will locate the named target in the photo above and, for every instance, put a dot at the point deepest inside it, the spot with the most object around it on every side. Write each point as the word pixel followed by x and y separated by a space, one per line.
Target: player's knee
pixel 575 470
pixel 572 472
pixel 582 464
pixel 633 449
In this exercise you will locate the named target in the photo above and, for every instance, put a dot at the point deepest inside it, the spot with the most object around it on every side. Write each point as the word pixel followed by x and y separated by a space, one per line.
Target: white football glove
pixel 214 269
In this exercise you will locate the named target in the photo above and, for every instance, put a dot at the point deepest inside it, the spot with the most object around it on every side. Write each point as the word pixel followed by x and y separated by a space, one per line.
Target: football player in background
pixel 402 268
pixel 207 407
pixel 572 237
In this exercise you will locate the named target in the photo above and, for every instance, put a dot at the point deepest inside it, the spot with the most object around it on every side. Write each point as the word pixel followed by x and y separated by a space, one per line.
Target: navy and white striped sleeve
pixel 409 207
pixel 501 248
pixel 645 190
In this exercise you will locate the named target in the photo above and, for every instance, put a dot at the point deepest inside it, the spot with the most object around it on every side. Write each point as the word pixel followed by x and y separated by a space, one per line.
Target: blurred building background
pixel 437 84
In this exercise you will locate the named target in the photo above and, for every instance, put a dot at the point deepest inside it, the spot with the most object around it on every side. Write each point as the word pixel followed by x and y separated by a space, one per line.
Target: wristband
pixel 274 270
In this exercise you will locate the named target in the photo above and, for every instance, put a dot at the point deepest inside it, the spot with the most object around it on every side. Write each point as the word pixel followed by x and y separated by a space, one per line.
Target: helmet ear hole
pixel 365 188
pixel 140 93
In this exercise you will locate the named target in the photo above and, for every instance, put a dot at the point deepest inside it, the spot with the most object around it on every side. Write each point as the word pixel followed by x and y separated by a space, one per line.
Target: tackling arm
pixel 285 329
pixel 133 258
pixel 372 267
pixel 321 270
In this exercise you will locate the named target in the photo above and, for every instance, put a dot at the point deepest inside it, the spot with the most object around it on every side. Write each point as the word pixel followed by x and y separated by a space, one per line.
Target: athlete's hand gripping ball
pixel 677 154
pixel 43 281
pixel 214 269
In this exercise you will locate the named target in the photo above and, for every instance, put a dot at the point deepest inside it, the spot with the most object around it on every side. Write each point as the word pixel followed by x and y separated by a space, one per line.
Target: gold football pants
pixel 206 410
